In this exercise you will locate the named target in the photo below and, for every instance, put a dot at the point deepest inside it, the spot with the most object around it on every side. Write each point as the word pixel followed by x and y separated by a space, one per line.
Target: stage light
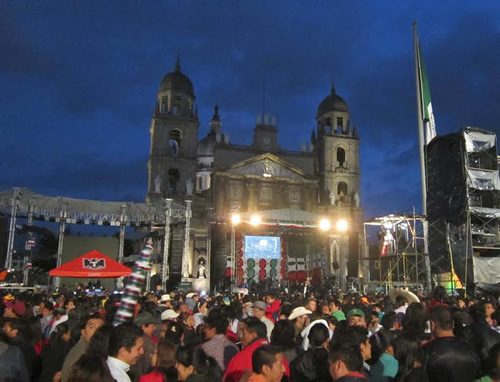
pixel 342 225
pixel 235 219
pixel 255 220
pixel 324 225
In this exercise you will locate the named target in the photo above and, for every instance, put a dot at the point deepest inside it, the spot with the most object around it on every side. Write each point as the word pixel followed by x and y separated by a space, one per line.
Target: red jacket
pixel 243 361
pixel 273 311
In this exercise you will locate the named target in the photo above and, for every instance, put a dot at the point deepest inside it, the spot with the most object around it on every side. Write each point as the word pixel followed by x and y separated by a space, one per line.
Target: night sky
pixel 79 81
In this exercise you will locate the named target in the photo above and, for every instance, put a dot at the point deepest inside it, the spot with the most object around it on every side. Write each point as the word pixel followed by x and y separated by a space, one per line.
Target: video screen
pixel 262 247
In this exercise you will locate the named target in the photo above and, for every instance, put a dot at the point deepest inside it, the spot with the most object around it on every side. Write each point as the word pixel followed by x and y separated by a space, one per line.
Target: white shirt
pixel 269 326
pixel 118 369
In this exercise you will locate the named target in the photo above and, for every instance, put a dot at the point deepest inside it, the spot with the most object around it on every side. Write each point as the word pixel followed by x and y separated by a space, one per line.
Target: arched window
pixel 341 156
pixel 174 142
pixel 173 179
pixel 342 190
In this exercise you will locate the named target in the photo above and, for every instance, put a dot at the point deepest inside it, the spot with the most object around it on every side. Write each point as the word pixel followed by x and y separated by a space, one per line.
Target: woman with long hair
pixel 407 352
pixel 164 362
pixel 384 364
pixel 193 365
pixel 54 353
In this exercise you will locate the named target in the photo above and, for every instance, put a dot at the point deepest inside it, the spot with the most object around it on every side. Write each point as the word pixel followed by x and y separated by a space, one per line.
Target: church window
pixel 328 126
pixel 341 156
pixel 173 179
pixel 340 125
pixel 174 142
pixel 342 190
pixel 164 104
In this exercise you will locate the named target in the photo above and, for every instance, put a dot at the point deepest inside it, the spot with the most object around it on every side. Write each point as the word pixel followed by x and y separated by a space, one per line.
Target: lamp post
pixel 341 227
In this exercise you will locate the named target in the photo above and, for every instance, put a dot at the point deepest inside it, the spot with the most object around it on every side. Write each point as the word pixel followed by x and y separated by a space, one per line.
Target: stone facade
pixel 221 178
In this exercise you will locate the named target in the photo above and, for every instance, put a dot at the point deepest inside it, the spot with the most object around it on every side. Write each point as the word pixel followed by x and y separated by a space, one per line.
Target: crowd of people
pixel 69 337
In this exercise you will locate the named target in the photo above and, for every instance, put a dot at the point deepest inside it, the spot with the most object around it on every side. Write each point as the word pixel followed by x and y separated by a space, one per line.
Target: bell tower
pixel 336 145
pixel 174 138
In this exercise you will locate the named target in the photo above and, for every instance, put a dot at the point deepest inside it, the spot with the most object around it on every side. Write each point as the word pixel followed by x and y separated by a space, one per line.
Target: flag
pixel 426 113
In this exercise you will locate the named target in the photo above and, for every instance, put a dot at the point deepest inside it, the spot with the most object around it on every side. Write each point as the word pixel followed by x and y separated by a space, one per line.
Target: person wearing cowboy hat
pixel 299 317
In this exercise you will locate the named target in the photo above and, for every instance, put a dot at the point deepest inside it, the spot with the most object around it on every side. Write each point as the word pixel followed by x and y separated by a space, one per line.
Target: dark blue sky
pixel 79 81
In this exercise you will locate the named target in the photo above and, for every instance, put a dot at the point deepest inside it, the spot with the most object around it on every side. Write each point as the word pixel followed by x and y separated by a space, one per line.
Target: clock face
pixel 266 140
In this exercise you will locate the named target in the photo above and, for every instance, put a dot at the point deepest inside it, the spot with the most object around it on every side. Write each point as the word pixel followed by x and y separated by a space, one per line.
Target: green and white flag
pixel 426 112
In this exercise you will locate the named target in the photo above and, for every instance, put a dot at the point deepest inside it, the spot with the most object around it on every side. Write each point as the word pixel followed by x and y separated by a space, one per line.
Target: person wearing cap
pixel 259 311
pixel 147 322
pixel 14 309
pixel 299 317
pixel 356 317
pixel 191 300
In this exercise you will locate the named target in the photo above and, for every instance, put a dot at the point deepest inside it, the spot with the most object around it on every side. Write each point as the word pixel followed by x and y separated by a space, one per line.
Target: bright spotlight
pixel 324 225
pixel 255 220
pixel 342 225
pixel 235 219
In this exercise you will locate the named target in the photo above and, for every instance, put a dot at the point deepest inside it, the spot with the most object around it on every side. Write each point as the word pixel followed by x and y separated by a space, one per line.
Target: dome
pixel 177 81
pixel 332 103
pixel 206 146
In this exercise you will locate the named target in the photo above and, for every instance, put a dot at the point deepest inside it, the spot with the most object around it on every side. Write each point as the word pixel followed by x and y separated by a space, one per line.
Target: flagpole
pixel 421 145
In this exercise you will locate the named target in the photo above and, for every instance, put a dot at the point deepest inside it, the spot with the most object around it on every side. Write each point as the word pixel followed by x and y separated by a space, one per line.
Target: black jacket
pixel 353 377
pixel 311 366
pixel 12 366
pixel 451 359
pixel 482 338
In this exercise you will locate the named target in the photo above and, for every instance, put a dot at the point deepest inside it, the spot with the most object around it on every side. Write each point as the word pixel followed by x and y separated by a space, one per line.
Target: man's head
pixel 14 327
pixel 251 329
pixel 356 317
pixel 90 326
pixel 357 336
pixel 335 305
pixel 299 316
pixel 259 309
pixel 311 304
pixel 318 335
pixel 126 343
pixel 47 309
pixel 146 322
pixel 441 319
pixel 215 323
pixel 344 359
pixel 267 361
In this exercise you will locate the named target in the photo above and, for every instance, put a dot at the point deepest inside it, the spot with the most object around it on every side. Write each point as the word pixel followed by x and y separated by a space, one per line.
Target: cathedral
pixel 256 209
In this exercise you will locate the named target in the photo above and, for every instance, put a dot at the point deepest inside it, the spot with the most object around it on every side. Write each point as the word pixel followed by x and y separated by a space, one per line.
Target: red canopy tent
pixel 92 265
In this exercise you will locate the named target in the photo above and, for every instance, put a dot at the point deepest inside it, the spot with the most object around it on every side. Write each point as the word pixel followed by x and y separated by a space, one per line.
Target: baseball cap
pixel 165 298
pixel 17 307
pixel 364 300
pixel 355 312
pixel 339 315
pixel 144 319
pixel 169 314
pixel 297 312
pixel 260 304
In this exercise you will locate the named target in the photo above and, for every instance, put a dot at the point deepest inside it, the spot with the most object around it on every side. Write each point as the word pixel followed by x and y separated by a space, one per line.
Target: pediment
pixel 268 166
